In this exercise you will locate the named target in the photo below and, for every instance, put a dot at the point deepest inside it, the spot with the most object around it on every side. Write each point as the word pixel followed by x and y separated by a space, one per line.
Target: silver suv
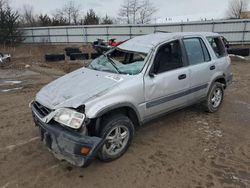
pixel 93 111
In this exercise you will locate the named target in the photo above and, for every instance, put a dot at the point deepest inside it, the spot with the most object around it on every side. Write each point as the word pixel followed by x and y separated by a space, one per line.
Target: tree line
pixel 11 20
pixel 131 12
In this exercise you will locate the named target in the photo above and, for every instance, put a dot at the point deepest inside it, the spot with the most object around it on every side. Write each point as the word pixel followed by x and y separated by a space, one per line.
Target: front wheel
pixel 214 98
pixel 118 131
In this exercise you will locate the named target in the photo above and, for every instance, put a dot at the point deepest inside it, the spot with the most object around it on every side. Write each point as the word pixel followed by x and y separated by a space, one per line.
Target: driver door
pixel 168 81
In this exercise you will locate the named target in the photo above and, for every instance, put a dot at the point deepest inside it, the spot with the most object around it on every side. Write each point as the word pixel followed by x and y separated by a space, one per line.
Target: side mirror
pixel 151 74
pixel 152 71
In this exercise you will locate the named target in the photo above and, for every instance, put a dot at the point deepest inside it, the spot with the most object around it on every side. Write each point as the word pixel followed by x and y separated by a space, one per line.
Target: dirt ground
pixel 188 148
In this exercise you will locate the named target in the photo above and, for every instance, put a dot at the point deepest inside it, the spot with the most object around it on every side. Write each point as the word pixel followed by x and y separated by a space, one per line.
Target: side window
pixel 196 51
pixel 168 57
pixel 217 45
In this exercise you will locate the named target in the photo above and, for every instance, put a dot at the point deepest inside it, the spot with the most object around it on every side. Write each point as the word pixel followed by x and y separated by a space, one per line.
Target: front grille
pixel 41 110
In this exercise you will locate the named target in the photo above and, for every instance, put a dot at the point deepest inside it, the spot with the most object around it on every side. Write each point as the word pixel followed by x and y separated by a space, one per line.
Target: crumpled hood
pixel 74 89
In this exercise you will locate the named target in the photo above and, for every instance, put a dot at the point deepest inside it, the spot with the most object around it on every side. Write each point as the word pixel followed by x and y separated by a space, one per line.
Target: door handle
pixel 212 67
pixel 182 77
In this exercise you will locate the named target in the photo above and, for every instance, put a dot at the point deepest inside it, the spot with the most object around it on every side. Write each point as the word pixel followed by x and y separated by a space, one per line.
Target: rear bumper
pixel 66 144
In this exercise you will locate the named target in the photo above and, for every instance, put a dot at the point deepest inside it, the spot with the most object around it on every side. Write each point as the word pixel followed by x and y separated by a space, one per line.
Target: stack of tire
pixel 239 51
pixel 72 53
pixel 79 56
pixel 76 54
pixel 54 57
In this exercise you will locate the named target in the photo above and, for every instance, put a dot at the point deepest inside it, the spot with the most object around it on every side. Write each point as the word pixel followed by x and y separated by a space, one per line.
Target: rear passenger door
pixel 221 56
pixel 201 66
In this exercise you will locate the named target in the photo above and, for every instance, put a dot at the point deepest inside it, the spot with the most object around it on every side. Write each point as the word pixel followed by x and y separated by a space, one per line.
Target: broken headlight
pixel 69 118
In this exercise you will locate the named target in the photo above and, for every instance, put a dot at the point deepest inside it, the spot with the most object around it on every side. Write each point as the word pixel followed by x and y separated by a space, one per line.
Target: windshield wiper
pixel 112 63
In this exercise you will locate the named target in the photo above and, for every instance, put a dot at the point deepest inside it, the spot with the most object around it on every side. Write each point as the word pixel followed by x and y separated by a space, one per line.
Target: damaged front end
pixel 66 143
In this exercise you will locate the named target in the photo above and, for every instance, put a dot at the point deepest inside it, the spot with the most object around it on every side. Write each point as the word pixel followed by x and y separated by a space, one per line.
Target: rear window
pixel 218 46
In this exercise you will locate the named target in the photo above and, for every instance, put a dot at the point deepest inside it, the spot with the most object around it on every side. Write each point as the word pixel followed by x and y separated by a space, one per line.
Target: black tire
pixel 209 105
pixel 110 123
pixel 54 57
pixel 79 56
pixel 70 51
pixel 239 51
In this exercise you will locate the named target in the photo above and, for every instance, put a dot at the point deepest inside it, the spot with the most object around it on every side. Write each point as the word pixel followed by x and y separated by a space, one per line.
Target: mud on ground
pixel 188 148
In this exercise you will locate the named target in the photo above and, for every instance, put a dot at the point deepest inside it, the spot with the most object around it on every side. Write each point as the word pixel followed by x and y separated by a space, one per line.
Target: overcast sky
pixel 176 9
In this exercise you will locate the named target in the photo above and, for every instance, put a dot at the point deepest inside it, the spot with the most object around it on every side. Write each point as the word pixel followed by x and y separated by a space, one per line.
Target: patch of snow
pixel 238 56
pixel 202 122
pixel 9 82
pixel 12 89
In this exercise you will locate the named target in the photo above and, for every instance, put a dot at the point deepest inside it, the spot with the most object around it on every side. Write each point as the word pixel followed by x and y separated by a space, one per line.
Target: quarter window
pixel 196 51
pixel 217 45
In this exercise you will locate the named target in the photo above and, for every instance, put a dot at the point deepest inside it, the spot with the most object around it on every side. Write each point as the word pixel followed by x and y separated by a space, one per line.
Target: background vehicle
pixel 100 46
pixel 4 58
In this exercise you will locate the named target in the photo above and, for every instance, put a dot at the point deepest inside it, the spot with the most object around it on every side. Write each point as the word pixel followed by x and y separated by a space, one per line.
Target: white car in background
pixel 4 58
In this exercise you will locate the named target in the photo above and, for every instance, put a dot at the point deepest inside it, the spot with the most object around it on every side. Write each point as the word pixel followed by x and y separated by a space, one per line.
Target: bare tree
pixel 70 11
pixel 146 12
pixel 137 11
pixel 76 16
pixel 135 7
pixel 125 11
pixel 236 8
pixel 28 17
pixel 3 4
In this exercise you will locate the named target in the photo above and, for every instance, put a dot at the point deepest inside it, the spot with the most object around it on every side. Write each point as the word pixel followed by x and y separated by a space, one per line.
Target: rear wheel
pixel 214 98
pixel 118 131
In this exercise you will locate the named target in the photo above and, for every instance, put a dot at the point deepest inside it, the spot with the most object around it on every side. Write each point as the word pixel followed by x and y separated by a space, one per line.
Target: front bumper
pixel 66 144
